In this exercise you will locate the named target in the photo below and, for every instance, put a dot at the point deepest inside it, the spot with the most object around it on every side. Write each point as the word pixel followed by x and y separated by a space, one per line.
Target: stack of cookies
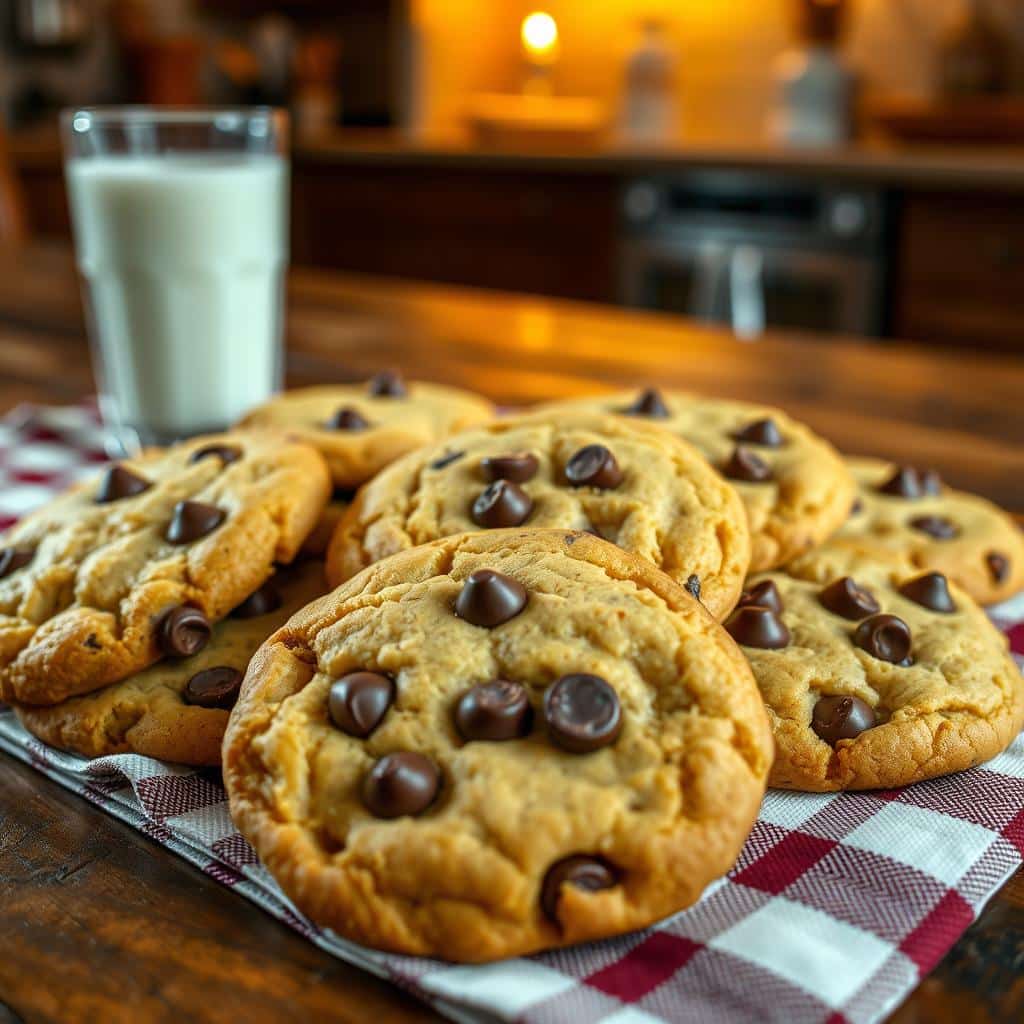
pixel 564 654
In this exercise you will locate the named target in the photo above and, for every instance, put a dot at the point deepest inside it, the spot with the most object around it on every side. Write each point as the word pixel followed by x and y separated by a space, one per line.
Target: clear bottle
pixel 649 112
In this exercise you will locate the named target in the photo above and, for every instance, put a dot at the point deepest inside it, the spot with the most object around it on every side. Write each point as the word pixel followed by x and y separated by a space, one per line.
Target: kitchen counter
pixel 877 163
pixel 883 163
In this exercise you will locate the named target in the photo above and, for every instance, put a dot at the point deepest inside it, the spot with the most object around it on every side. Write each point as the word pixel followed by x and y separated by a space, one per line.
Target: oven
pixel 756 251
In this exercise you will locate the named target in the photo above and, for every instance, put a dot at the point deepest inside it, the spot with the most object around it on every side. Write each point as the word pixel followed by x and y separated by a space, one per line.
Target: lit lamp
pixel 539 37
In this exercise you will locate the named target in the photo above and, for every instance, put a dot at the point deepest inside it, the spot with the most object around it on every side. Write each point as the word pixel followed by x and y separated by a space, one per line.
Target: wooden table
pixel 99 923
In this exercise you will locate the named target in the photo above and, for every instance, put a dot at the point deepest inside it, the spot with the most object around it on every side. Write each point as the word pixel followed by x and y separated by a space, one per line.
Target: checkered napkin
pixel 838 906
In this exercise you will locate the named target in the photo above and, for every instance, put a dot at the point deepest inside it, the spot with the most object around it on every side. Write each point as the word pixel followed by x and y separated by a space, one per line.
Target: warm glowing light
pixel 539 35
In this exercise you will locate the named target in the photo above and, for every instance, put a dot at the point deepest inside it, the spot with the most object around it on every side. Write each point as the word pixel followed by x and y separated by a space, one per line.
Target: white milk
pixel 184 258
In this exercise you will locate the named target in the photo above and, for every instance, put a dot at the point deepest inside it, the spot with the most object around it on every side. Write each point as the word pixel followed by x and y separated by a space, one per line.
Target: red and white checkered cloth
pixel 838 906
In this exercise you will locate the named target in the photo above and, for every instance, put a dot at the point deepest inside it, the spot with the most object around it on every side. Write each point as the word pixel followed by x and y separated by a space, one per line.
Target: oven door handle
pixel 711 265
pixel 746 292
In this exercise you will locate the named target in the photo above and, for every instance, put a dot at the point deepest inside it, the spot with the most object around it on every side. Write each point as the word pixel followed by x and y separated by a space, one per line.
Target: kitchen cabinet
pixel 553 234
pixel 960 269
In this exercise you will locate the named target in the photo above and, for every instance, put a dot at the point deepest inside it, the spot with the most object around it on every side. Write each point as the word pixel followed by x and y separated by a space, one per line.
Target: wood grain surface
pixel 98 923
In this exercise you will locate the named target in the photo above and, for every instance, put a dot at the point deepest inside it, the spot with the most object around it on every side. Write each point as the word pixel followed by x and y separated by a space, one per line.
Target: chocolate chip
pixel 582 713
pixel 226 453
pixel 500 504
pixel 764 594
pixel 692 584
pixel 118 483
pixel 763 432
pixel 935 526
pixel 344 495
pixel 998 565
pixel 349 419
pixel 743 464
pixel 498 710
pixel 489 598
pixel 192 520
pixel 648 403
pixel 402 783
pixel 260 602
pixel 756 626
pixel 908 482
pixel 904 483
pixel 214 688
pixel 593 466
pixel 516 466
pixel 849 599
pixel 358 702
pixel 842 718
pixel 183 632
pixel 885 637
pixel 590 874
pixel 446 460
pixel 857 507
pixel 13 559
pixel 930 591
pixel 387 384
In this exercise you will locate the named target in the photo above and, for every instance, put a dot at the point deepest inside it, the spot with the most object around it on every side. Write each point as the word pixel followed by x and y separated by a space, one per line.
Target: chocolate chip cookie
pixel 642 488
pixel 497 743
pixel 904 514
pixel 177 710
pixel 793 483
pixel 360 428
pixel 876 680
pixel 96 585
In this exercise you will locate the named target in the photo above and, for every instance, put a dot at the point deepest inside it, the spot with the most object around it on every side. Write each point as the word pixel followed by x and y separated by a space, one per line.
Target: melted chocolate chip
pixel 387 384
pixel 885 637
pixel 764 594
pixel 402 783
pixel 498 710
pixel 192 520
pixel 648 403
pixel 446 460
pixel 225 452
pixel 743 464
pixel 13 559
pixel 119 483
pixel 849 599
pixel 515 466
pixel 692 585
pixel 590 874
pixel 908 482
pixel 183 632
pixel 358 702
pixel 349 419
pixel 501 504
pixel 260 602
pixel 214 688
pixel 582 713
pixel 998 566
pixel 762 432
pixel 841 718
pixel 857 507
pixel 489 598
pixel 930 591
pixel 935 526
pixel 756 626
pixel 593 466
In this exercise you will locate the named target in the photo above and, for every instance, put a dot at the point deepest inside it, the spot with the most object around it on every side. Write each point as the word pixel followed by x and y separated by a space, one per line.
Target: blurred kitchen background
pixel 839 166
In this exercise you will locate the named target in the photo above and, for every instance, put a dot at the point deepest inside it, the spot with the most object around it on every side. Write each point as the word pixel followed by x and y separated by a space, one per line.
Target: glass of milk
pixel 181 236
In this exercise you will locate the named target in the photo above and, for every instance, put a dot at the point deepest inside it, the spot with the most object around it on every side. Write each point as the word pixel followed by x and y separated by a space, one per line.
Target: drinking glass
pixel 181 239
